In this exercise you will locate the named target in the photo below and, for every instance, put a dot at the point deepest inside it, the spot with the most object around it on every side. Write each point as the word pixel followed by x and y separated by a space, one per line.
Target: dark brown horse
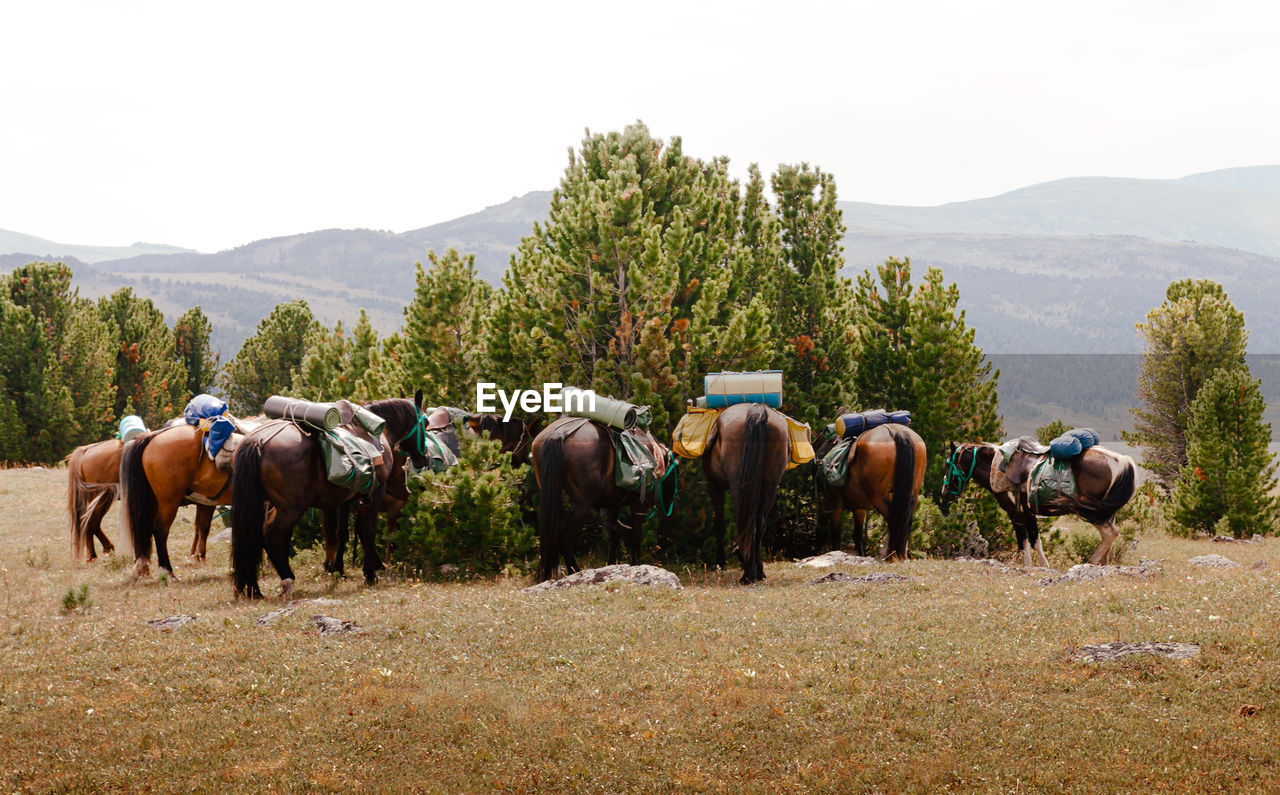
pixel 886 471
pixel 1104 483
pixel 573 457
pixel 161 471
pixel 515 434
pixel 424 431
pixel 281 464
pixel 748 452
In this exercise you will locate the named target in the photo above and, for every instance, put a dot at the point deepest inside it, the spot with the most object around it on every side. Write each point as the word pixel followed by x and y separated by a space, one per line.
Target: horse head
pixel 957 471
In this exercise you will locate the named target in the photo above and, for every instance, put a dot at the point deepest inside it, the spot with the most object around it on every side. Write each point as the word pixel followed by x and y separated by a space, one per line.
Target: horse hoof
pixel 286 588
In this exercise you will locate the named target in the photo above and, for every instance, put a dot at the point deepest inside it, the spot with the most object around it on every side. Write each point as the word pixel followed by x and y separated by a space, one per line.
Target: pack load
pixel 131 426
pixel 319 416
pixel 1073 442
pixel 608 411
pixel 835 464
pixel 728 389
pixel 849 426
pixel 694 432
pixel 1050 479
pixel 210 414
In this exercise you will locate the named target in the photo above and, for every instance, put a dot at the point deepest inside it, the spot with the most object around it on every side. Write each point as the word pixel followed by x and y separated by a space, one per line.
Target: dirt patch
pixel 1106 652
pixel 620 572
pixel 836 558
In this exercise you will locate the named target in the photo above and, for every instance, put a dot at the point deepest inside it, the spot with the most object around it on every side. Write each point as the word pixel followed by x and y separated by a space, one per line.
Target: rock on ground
pixel 1083 572
pixel 1106 652
pixel 619 572
pixel 1230 540
pixel 328 625
pixel 1214 562
pixel 281 612
pixel 170 623
pixel 836 558
pixel 975 546
pixel 874 577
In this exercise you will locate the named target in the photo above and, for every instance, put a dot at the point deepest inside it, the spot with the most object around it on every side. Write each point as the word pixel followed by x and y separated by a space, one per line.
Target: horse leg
pixel 367 522
pixel 615 533
pixel 835 515
pixel 97 510
pixel 717 506
pixel 276 535
pixel 573 523
pixel 860 532
pixel 1033 538
pixel 334 540
pixel 164 520
pixel 1020 532
pixel 633 535
pixel 1102 555
pixel 200 539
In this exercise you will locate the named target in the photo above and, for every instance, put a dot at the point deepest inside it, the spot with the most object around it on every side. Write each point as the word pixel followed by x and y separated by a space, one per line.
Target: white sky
pixel 210 125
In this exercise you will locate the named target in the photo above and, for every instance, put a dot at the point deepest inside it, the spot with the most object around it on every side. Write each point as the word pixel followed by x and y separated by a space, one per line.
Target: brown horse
pixel 886 471
pixel 746 456
pixel 516 435
pixel 280 463
pixel 1104 484
pixel 93 481
pixel 161 471
pixel 573 457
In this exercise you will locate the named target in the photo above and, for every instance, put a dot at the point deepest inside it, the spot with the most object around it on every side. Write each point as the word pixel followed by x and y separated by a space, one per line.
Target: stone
pixel 975 546
pixel 448 568
pixel 1262 564
pixel 874 577
pixel 281 612
pixel 328 625
pixel 620 572
pixel 171 623
pixel 836 558
pixel 1106 652
pixel 1214 562
pixel 1083 572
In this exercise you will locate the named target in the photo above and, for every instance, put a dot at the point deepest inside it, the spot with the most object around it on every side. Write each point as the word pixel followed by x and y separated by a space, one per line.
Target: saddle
pixel 1019 457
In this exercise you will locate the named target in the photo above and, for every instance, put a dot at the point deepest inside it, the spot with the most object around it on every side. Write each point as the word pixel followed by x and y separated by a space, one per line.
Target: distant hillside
pixel 39 248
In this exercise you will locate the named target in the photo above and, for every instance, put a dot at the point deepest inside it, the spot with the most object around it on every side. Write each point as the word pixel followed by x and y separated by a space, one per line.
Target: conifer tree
pixel 191 335
pixel 149 376
pixel 1189 337
pixel 1225 485
pixel 442 342
pixel 267 361
pixel 337 365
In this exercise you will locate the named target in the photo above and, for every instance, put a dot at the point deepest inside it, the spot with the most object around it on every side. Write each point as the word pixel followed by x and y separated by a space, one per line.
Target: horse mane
pixel 398 411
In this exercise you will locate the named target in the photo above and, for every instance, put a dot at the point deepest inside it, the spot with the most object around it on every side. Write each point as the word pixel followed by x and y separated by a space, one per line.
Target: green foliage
pixel 1224 488
pixel 974 512
pixel 76 599
pixel 1047 433
pixel 149 375
pixel 443 338
pixel 916 353
pixel 467 515
pixel 268 361
pixel 338 366
pixel 1193 334
pixel 191 335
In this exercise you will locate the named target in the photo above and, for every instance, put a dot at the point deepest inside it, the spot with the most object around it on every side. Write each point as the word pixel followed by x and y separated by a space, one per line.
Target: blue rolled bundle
pixel 1065 446
pixel 851 425
pixel 219 432
pixel 1088 436
pixel 203 407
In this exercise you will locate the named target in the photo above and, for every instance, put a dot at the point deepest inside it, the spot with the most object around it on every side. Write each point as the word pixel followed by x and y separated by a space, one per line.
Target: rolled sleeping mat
pixel 610 411
pixel 1066 446
pixel 728 389
pixel 131 427
pixel 323 416
pixel 700 401
pixel 369 421
pixel 1088 436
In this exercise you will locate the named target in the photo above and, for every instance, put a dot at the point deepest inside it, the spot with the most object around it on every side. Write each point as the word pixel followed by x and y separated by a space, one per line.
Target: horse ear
pixel 402 393
pixel 417 398
pixel 951 447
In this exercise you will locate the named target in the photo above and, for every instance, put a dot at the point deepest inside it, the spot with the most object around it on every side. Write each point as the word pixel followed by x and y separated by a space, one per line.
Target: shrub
pixel 76 599
pixel 468 515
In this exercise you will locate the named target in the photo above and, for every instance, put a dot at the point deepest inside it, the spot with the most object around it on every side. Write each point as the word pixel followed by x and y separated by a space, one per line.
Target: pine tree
pixel 341 366
pixel 149 376
pixel 267 361
pixel 191 341
pixel 1193 334
pixel 1225 485
pixel 442 341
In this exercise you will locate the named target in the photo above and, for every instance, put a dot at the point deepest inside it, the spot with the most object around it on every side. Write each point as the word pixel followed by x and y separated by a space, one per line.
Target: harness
pixel 953 471
pixel 418 433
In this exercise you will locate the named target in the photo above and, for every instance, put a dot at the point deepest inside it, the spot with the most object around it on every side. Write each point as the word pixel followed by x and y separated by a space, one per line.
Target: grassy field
pixel 959 679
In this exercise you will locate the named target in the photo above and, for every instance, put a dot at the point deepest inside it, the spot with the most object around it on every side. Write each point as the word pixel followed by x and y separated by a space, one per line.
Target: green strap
pixel 961 478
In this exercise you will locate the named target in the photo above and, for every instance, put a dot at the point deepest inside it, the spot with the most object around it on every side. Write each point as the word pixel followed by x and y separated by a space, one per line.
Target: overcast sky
pixel 213 125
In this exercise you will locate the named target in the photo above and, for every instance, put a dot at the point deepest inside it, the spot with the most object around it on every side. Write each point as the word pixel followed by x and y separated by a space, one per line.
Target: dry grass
pixel 957 680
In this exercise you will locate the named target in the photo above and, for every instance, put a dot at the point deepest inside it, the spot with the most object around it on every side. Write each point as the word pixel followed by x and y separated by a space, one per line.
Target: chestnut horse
pixel 93 481
pixel 161 471
pixel 573 457
pixel 886 471
pixel 281 463
pixel 1104 483
pixel 749 450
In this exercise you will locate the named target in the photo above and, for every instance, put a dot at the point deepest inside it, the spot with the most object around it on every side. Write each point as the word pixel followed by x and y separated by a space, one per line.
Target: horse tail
pixel 1100 510
pixel 139 499
pixel 76 503
pixel 550 471
pixel 903 506
pixel 749 498
pixel 248 512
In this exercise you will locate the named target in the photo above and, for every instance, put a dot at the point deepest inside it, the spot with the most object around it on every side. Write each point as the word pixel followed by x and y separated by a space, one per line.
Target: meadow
pixel 959 678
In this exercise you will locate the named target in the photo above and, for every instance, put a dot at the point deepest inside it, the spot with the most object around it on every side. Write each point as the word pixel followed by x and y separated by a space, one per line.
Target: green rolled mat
pixel 370 422
pixel 323 416
pixel 615 413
